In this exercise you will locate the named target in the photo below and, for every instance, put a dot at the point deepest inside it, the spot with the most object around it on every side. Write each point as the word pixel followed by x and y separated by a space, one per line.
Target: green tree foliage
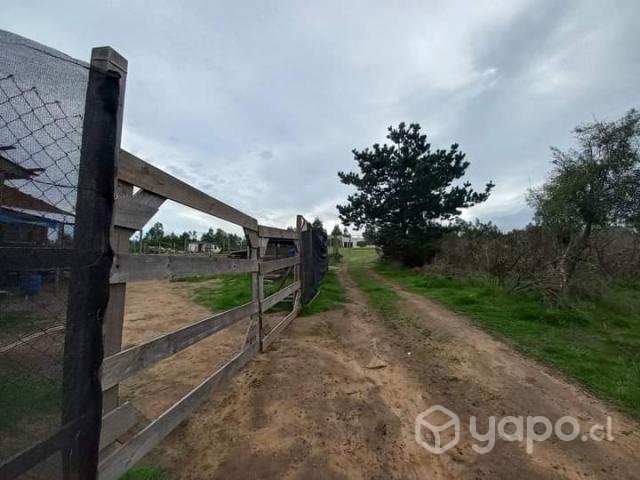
pixel 208 236
pixel 595 185
pixel 156 232
pixel 226 241
pixel 369 235
pixel 317 224
pixel 156 237
pixel 406 193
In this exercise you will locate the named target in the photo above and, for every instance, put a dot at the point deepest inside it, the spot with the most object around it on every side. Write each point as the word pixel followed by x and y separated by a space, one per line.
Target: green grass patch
pixel 331 295
pixel 13 321
pixel 382 299
pixel 364 257
pixel 597 343
pixel 145 473
pixel 222 292
pixel 26 398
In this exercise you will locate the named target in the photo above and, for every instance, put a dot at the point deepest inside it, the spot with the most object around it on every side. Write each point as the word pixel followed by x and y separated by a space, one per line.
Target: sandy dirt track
pixel 337 395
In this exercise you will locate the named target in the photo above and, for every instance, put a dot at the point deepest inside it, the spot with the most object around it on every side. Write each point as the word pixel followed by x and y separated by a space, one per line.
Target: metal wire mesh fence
pixel 56 199
pixel 39 162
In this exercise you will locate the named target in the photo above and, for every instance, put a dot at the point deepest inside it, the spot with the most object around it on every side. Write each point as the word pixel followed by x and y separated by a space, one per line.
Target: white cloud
pixel 260 104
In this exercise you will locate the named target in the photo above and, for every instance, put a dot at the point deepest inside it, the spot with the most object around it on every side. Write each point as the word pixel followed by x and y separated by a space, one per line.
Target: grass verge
pixel 145 473
pixel 597 343
pixel 331 296
pixel 222 292
pixel 26 398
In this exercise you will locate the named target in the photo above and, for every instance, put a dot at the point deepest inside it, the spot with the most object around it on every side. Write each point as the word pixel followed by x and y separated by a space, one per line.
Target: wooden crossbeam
pixel 135 211
pixel 273 232
pixel 272 265
pixel 121 460
pixel 273 334
pixel 137 172
pixel 279 296
pixel 127 362
pixel 132 268
pixel 118 422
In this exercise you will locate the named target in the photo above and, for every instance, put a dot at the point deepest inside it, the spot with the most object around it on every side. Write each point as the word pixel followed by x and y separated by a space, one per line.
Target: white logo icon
pixel 435 446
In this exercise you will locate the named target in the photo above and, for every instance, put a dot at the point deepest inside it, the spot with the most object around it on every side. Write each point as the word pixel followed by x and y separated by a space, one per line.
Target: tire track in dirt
pixel 498 381
pixel 309 408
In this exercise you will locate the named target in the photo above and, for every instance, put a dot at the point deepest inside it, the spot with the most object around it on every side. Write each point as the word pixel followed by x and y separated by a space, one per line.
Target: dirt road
pixel 337 395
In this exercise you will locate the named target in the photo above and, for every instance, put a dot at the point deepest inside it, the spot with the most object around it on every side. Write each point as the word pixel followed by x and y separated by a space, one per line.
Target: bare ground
pixel 337 395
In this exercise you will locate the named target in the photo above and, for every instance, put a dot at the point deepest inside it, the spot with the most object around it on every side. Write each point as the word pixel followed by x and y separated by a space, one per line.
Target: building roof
pixel 12 217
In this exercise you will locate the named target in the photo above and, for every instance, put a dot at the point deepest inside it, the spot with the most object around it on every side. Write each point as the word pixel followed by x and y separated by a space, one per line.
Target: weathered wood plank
pixel 280 295
pixel 132 268
pixel 272 265
pixel 135 211
pixel 127 362
pixel 138 172
pixel 112 467
pixel 118 422
pixel 273 334
pixel 12 197
pixel 273 232
pixel 114 317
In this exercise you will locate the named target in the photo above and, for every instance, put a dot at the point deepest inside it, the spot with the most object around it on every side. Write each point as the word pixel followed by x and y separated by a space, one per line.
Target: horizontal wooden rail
pixel 17 465
pixel 272 265
pixel 37 258
pixel 127 362
pixel 118 422
pixel 277 297
pixel 113 466
pixel 273 334
pixel 132 268
pixel 136 171
pixel 273 232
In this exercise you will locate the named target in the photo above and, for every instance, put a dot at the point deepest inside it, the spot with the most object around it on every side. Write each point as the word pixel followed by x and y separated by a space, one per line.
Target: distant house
pixel 202 247
pixel 357 240
pixel 347 242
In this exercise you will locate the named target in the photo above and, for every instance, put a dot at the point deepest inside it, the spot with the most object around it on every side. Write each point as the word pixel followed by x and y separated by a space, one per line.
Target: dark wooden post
pixel 299 269
pixel 89 283
pixel 302 272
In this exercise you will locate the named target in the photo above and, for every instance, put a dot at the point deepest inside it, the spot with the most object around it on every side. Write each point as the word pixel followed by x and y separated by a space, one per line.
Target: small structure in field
pixel 202 247
pixel 347 241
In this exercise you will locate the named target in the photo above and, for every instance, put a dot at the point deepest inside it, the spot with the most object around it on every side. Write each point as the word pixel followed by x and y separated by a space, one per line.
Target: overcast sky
pixel 260 103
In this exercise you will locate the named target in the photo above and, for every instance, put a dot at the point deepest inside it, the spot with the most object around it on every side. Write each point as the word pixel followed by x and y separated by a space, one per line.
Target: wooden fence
pixel 118 193
pixel 131 213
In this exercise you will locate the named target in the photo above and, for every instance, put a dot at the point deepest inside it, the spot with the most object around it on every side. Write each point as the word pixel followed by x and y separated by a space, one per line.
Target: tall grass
pixel 331 295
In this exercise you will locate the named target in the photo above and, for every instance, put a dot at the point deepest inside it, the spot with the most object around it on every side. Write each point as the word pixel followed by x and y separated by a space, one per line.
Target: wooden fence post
pixel 254 331
pixel 89 283
pixel 114 317
pixel 299 268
